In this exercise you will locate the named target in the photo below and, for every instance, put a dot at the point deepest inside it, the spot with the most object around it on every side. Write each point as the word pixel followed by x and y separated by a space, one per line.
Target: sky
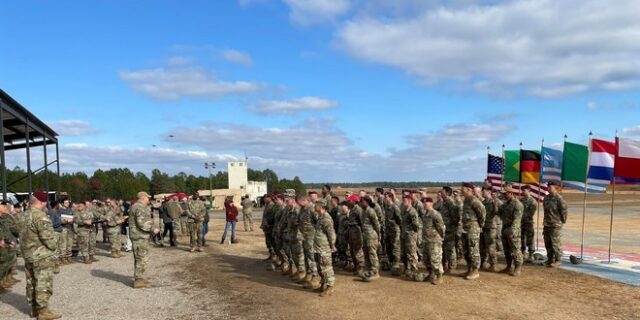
pixel 327 90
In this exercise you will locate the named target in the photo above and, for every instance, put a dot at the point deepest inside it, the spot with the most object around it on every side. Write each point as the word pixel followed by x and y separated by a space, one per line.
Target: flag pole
pixel 538 202
pixel 584 203
pixel 613 200
pixel 504 163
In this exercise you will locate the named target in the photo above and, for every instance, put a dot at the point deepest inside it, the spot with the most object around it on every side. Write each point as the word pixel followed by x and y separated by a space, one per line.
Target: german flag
pixel 530 166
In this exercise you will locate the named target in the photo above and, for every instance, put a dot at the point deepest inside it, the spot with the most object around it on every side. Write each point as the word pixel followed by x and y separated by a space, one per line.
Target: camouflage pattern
pixel 527 227
pixel 38 245
pixel 277 225
pixel 355 238
pixel 488 248
pixel 433 232
pixel 247 214
pixel 98 215
pixel 324 242
pixel 342 242
pixel 182 223
pixel 451 217
pixel 420 210
pixel 113 215
pixel 379 209
pixel 295 238
pixel 409 237
pixel 393 222
pixel 371 239
pixel 473 217
pixel 555 216
pixel 65 242
pixel 269 220
pixel 511 214
pixel 9 232
pixel 140 226
pixel 460 232
pixel 195 217
pixel 84 231
pixel 306 224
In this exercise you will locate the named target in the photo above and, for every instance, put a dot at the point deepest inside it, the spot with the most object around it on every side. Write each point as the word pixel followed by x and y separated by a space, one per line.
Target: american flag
pixel 495 169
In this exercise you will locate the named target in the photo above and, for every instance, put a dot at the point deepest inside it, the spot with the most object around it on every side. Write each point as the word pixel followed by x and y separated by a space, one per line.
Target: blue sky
pixel 329 90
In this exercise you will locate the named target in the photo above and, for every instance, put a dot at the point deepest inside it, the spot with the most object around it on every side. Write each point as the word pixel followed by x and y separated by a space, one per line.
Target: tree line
pixel 122 183
pixel 389 184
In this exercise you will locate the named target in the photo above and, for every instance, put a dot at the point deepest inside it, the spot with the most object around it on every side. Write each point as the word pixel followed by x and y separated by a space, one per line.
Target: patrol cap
pixel 41 196
pixel 321 202
pixel 143 194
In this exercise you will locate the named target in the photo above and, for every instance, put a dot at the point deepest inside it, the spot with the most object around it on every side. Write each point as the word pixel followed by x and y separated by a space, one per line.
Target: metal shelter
pixel 22 130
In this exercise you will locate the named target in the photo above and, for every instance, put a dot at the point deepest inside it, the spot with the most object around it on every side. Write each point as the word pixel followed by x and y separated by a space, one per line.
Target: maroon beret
pixel 427 199
pixel 525 187
pixel 41 196
pixel 468 185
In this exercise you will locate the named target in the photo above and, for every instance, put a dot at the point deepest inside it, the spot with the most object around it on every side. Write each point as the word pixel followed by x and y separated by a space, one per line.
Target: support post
pixel 29 178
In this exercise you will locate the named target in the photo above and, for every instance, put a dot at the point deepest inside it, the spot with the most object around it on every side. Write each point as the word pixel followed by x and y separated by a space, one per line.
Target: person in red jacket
pixel 231 212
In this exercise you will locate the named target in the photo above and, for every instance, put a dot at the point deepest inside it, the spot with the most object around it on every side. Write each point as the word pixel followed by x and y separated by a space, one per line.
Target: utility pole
pixel 210 166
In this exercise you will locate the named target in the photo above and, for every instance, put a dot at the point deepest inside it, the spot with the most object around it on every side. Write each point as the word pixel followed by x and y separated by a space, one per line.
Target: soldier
pixel 527 227
pixel 433 230
pixel 196 215
pixel 267 225
pixel 342 243
pixel 306 223
pixel 371 238
pixel 247 213
pixel 451 217
pixel 140 227
pixel 313 197
pixel 497 197
pixel 378 206
pixel 409 229
pixel 114 220
pixel 555 216
pixel 83 218
pixel 66 236
pixel 9 233
pixel 184 216
pixel 327 195
pixel 299 273
pixel 472 220
pixel 415 202
pixel 393 217
pixel 276 214
pixel 38 245
pixel 96 211
pixel 324 242
pixel 355 235
pixel 460 233
pixel 488 252
pixel 511 213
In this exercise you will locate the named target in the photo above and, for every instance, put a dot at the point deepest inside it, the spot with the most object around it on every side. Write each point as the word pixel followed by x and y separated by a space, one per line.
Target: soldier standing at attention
pixel 355 235
pixel 66 236
pixel 324 244
pixel 488 252
pixel 96 211
pixel 433 230
pixel 306 223
pixel 409 228
pixel 38 245
pixel 114 220
pixel 393 217
pixel 555 216
pixel 247 213
pixel 184 216
pixel 83 218
pixel 371 238
pixel 451 217
pixel 140 227
pixel 9 233
pixel 511 213
pixel 276 226
pixel 472 221
pixel 343 235
pixel 298 271
pixel 528 227
pixel 268 223
pixel 326 195
pixel 195 218
pixel 460 233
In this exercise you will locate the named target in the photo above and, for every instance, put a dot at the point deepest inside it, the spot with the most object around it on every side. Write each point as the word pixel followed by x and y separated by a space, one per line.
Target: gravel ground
pixel 103 290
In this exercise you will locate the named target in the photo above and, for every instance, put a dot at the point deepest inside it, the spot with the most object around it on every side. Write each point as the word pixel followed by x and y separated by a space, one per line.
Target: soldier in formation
pixel 247 213
pixel 555 216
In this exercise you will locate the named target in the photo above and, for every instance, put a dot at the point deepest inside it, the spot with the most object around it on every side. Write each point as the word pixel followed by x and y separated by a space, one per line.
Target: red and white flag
pixel 627 159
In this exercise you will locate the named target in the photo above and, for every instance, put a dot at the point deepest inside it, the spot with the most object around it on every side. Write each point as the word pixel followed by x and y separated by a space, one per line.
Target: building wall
pixel 256 189
pixel 238 177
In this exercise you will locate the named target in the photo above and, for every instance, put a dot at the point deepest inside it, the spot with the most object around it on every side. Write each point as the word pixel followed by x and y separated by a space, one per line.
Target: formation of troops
pixel 307 235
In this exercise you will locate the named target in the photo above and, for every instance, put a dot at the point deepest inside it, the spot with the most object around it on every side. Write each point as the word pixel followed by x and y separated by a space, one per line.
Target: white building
pixel 238 179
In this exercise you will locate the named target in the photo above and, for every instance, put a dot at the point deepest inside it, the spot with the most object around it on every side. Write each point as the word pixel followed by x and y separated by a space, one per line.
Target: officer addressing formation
pixel 306 236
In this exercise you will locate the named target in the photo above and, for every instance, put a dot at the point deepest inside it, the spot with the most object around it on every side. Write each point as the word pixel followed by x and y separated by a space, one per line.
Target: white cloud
pixel 308 12
pixel 292 106
pixel 184 82
pixel 536 47
pixel 236 56
pixel 74 128
pixel 180 60
pixel 631 132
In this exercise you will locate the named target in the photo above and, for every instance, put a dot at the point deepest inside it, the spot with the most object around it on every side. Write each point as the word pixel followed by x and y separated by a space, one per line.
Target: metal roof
pixel 15 120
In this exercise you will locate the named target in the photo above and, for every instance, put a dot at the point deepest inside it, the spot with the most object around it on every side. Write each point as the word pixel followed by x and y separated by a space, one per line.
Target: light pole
pixel 210 166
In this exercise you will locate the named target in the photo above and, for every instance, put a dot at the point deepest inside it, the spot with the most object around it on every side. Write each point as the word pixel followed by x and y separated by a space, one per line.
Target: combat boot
pixel 93 259
pixel 436 280
pixel 56 268
pixel 141 283
pixel 507 269
pixel 192 249
pixel 492 268
pixel 69 261
pixel 114 254
pixel 313 283
pixel 473 274
pixel 87 260
pixel 467 273
pixel 349 267
pixel 516 271
pixel 300 277
pixel 327 292
pixel 199 249
pixel 530 258
pixel 120 254
pixel 285 269
pixel 322 288
pixel 46 314
pixel 308 277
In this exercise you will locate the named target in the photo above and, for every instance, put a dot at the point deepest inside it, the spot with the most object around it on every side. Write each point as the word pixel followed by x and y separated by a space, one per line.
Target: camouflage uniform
pixel 433 231
pixel 355 239
pixel 473 216
pixel 194 219
pixel 409 237
pixel 279 233
pixel 140 227
pixel 247 214
pixel 306 223
pixel 84 232
pixel 267 225
pixel 9 232
pixel 451 217
pixel 113 215
pixel 528 225
pixel 323 242
pixel 555 216
pixel 65 242
pixel 382 252
pixel 371 240
pixel 511 213
pixel 184 218
pixel 295 238
pixel 393 217
pixel 420 210
pixel 342 242
pixel 38 245
pixel 460 232
pixel 97 216
pixel 488 252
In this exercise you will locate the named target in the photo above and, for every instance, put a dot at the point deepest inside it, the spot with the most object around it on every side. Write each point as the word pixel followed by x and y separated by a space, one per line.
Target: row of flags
pixel 587 168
